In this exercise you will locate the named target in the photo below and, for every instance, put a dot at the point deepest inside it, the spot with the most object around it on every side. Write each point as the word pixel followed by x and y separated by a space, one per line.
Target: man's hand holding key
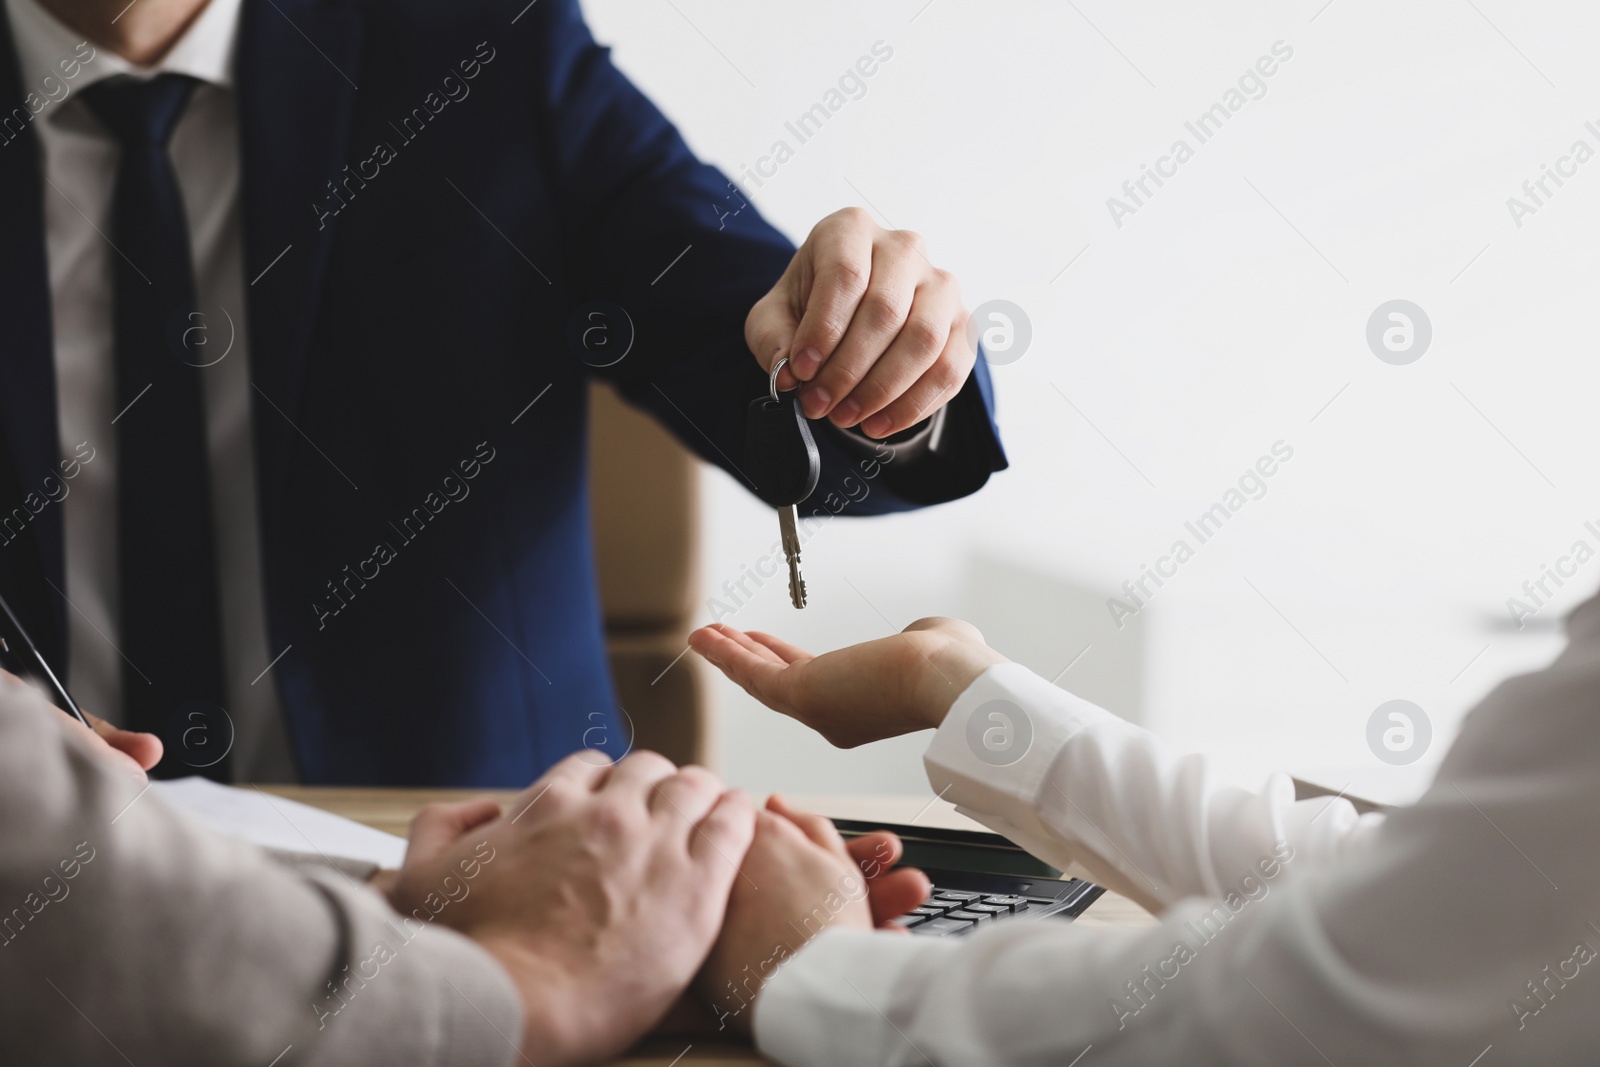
pixel 872 333
pixel 876 336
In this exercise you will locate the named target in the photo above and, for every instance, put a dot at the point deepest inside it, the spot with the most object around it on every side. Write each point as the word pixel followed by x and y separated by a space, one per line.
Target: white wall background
pixel 1169 353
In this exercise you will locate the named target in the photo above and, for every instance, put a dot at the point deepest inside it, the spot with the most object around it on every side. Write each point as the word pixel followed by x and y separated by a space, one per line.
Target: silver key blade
pixel 788 520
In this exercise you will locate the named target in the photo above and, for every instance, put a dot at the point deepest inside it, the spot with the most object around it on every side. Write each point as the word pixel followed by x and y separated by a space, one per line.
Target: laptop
pixel 979 879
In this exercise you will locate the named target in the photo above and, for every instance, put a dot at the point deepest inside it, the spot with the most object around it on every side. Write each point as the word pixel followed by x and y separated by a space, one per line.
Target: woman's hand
pixel 883 688
pixel 798 879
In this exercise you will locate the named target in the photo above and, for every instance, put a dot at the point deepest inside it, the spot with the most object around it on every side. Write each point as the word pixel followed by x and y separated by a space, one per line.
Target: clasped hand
pixel 613 886
pixel 605 890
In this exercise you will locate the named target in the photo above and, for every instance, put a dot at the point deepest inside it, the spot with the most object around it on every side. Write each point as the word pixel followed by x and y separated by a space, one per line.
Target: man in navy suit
pixel 297 297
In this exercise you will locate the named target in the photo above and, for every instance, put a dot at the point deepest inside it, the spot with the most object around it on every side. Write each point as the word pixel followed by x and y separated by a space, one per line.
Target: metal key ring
pixel 772 383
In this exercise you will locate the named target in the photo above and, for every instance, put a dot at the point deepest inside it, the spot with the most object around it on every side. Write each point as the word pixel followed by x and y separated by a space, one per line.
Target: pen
pixel 17 652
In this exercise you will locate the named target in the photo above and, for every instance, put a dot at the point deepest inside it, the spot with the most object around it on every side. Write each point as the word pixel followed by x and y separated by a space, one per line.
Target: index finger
pixel 103 748
pixel 770 327
pixel 760 675
pixel 145 749
pixel 722 838
pixel 841 262
pixel 875 852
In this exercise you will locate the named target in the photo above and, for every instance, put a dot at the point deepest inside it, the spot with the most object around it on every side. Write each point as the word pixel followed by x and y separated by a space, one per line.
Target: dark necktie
pixel 171 623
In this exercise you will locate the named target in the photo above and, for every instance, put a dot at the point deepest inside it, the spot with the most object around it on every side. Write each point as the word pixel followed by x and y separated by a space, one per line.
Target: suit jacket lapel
pixel 27 367
pixel 297 71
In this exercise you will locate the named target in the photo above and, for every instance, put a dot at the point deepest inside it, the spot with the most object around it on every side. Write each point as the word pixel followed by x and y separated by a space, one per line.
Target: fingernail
pixel 877 426
pixel 806 363
pixel 816 402
pixel 846 413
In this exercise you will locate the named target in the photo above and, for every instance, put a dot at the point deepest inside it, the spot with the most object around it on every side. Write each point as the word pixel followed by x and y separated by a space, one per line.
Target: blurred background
pixel 1179 337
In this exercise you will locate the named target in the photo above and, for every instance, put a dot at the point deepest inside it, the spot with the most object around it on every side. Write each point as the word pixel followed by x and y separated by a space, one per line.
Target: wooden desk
pixel 391 810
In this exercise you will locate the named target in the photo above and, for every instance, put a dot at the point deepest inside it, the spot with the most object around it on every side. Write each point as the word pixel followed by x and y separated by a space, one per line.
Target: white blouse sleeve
pixel 1463 930
pixel 1069 780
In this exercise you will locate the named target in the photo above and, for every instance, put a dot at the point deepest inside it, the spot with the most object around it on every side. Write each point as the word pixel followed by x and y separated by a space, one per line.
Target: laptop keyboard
pixel 952 912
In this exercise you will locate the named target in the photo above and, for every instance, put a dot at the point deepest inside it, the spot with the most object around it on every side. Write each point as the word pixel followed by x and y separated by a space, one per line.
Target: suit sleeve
pixel 130 934
pixel 682 251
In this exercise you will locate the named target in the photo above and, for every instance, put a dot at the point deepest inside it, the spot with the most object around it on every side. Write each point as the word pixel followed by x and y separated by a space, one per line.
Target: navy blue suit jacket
pixel 430 191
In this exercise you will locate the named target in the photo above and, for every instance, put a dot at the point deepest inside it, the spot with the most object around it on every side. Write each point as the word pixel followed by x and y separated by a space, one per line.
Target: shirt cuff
pixel 829 1003
pixel 995 749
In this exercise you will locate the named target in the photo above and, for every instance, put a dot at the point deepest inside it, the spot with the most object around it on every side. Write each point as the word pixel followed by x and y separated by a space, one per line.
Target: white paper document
pixel 273 822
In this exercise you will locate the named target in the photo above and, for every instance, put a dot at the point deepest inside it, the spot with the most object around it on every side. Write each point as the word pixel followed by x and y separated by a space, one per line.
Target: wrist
pixel 956 664
pixel 732 982
pixel 547 1037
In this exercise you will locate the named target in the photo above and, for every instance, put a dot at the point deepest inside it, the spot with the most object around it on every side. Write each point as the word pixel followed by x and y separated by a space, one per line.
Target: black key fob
pixel 780 455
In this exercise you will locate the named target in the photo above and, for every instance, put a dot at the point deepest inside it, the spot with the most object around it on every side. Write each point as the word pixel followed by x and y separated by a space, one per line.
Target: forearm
pixel 1260 985
pixel 185 947
pixel 1444 934
pixel 1017 994
pixel 1463 922
pixel 632 192
pixel 1077 783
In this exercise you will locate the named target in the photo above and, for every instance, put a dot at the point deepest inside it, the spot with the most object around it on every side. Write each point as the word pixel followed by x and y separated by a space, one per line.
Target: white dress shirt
pixel 1462 930
pixel 80 163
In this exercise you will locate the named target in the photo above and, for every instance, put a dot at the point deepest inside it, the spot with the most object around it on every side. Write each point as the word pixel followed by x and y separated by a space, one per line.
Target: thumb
pixel 438 826
pixel 896 893
pixel 769 331
pixel 144 749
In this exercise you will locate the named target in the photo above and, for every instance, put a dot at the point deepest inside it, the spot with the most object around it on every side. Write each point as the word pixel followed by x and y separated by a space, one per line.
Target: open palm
pixel 866 692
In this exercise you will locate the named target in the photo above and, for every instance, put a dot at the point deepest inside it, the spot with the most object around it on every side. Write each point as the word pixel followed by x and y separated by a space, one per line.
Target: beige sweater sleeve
pixel 128 934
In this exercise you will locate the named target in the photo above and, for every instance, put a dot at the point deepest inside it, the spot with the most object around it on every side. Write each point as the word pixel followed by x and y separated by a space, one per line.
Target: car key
pixel 782 462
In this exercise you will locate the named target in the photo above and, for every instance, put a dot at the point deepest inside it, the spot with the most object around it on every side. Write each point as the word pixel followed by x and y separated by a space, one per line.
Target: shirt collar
pixel 205 51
